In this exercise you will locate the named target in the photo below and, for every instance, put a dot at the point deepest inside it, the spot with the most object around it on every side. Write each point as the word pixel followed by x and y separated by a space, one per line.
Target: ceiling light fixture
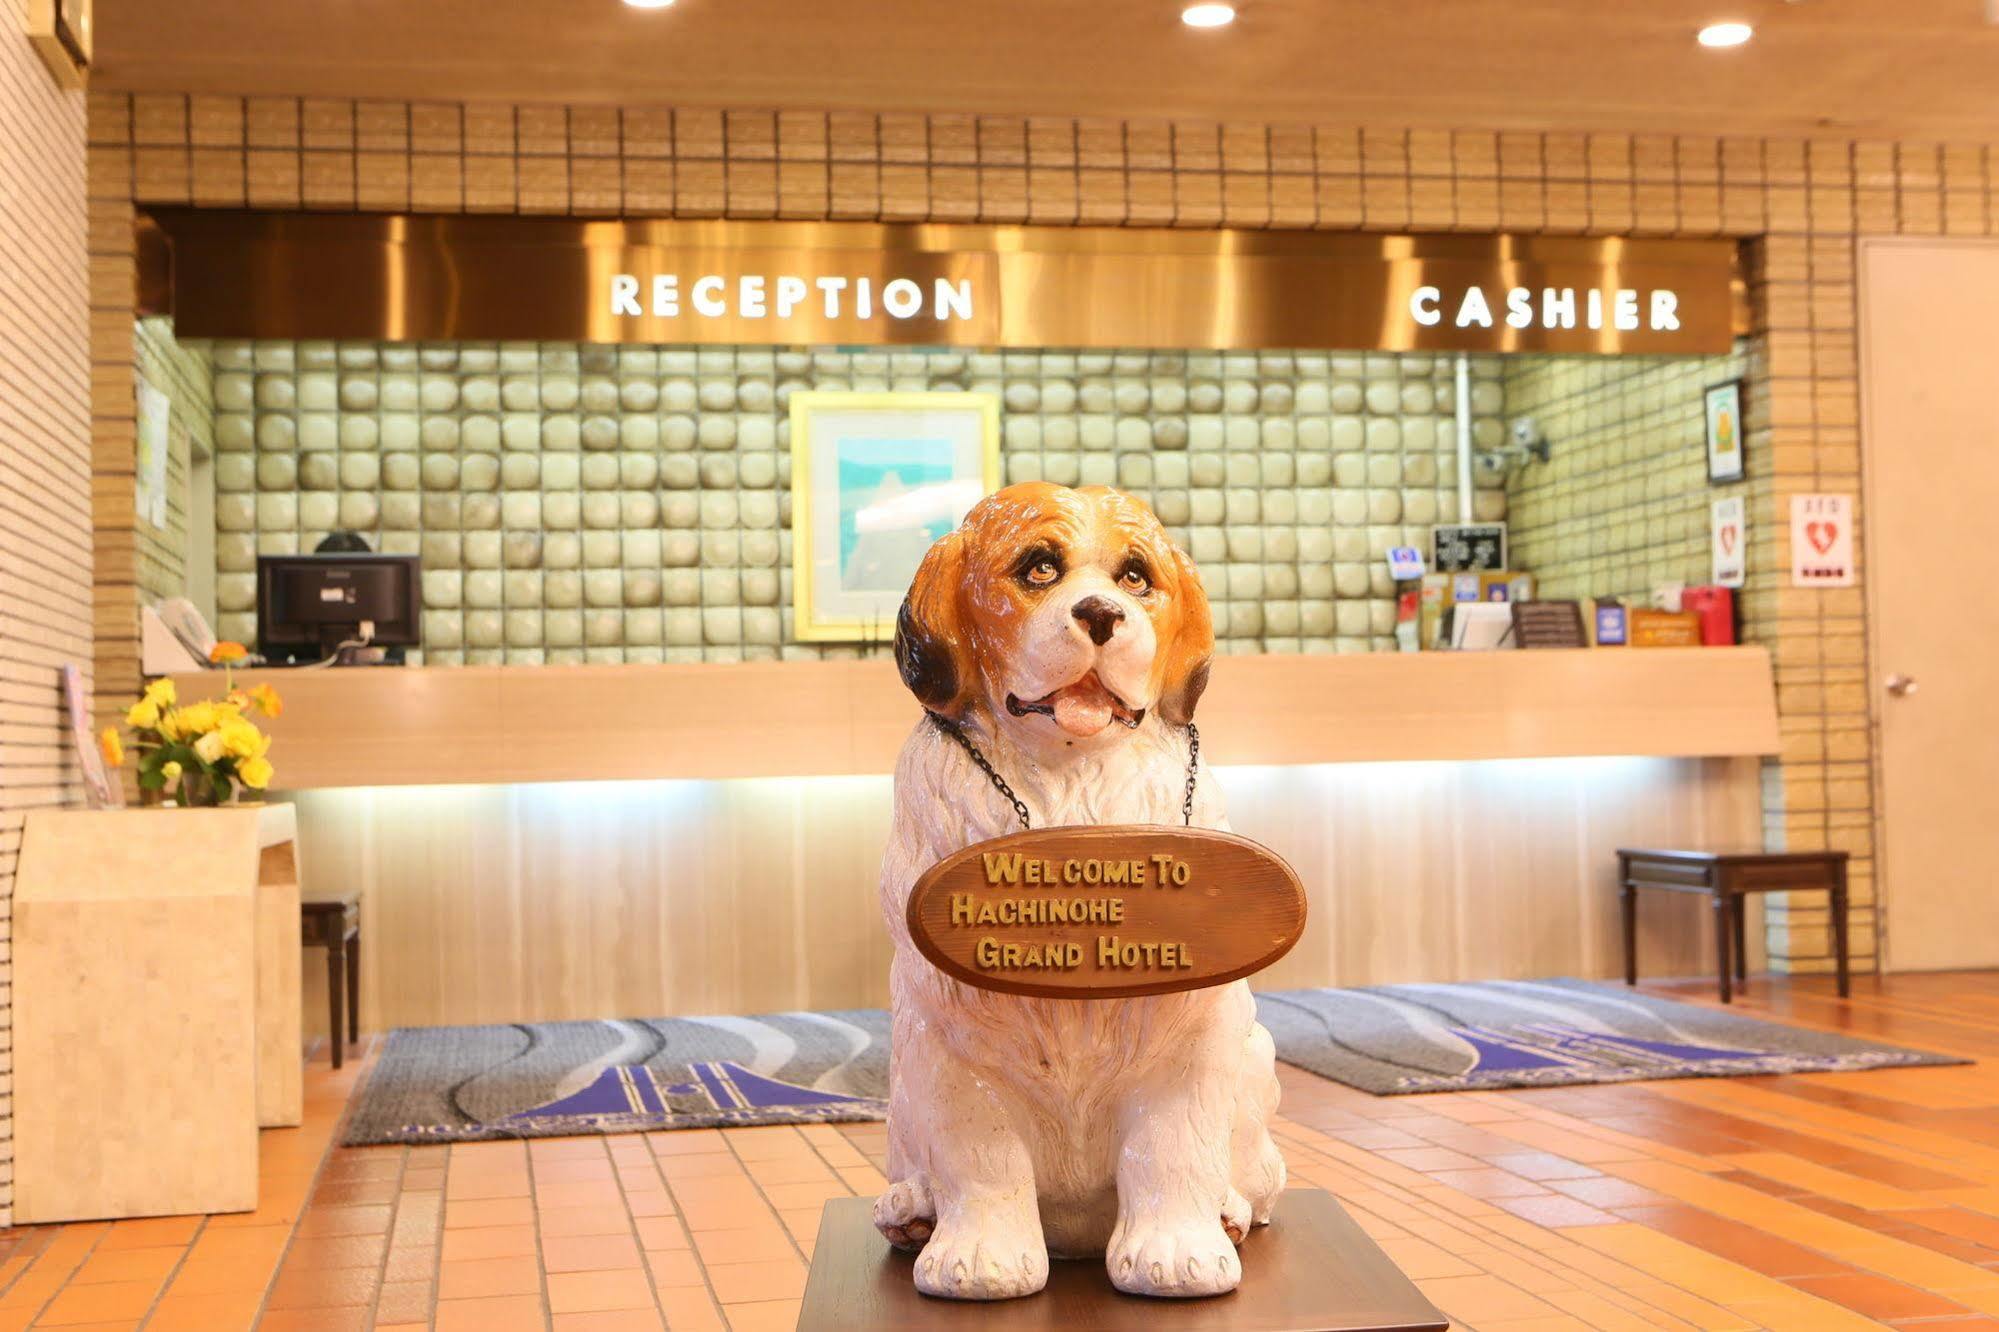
pixel 1715 35
pixel 1208 15
pixel 649 4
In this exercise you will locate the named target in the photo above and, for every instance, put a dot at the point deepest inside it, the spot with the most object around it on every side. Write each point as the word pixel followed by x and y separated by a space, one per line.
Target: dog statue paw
pixel 1059 642
pixel 986 1258
pixel 1155 1255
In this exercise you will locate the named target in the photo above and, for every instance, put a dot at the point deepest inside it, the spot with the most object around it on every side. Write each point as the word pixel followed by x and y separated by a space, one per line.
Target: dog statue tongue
pixel 1083 708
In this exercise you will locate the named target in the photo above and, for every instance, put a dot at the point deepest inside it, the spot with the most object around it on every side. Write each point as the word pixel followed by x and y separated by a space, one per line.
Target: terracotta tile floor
pixel 1813 1203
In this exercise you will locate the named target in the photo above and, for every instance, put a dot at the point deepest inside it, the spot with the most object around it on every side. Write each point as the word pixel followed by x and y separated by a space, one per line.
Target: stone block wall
pixel 606 504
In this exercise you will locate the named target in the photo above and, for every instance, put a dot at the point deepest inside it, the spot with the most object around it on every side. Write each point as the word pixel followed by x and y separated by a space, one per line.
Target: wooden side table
pixel 334 923
pixel 1727 878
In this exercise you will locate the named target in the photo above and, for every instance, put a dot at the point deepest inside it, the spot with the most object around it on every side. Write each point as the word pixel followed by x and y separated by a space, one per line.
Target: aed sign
pixel 1822 541
pixel 1099 913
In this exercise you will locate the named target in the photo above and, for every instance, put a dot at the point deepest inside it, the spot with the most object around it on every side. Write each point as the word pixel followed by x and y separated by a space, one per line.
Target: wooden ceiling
pixel 1927 67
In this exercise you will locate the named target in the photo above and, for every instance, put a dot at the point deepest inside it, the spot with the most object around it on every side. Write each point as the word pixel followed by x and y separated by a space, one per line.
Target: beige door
pixel 1930 415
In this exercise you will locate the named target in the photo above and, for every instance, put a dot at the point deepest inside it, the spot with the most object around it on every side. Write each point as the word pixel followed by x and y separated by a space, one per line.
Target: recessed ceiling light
pixel 1714 34
pixel 648 4
pixel 1208 15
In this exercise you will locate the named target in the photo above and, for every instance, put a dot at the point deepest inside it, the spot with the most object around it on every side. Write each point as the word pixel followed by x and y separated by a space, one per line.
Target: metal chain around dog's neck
pixel 953 730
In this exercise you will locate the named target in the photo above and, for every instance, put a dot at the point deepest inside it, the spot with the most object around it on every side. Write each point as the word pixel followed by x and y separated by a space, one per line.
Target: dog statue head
pixel 1068 614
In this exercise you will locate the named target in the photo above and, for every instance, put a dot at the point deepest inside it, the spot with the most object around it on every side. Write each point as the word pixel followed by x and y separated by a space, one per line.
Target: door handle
pixel 1901 686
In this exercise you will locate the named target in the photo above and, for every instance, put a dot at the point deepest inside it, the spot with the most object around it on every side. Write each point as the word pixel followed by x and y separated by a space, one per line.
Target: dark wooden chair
pixel 334 923
pixel 1727 878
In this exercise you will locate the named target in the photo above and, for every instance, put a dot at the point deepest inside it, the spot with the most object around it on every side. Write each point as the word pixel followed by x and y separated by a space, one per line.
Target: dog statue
pixel 1061 637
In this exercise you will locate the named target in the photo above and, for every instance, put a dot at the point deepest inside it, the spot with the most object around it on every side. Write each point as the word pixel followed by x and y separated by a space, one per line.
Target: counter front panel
pixel 388 726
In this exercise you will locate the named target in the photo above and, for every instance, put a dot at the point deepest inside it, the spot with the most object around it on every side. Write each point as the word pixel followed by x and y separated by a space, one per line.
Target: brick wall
pixel 45 475
pixel 1799 201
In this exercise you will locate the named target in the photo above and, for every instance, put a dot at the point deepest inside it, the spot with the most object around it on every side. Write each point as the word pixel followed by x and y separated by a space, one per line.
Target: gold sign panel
pixel 1101 913
pixel 435 278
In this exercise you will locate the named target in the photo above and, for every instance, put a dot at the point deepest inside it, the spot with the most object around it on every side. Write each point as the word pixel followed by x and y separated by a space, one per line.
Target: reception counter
pixel 417 726
pixel 541 843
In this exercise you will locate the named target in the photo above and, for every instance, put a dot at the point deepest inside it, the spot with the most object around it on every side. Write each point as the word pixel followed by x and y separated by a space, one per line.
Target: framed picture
pixel 1725 446
pixel 155 416
pixel 876 479
pixel 100 790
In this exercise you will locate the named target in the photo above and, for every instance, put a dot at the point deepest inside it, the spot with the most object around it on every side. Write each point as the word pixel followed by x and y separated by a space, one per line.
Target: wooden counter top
pixel 491 724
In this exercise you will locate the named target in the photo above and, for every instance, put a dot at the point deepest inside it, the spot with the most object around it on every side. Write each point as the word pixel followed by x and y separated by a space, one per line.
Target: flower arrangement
pixel 199 752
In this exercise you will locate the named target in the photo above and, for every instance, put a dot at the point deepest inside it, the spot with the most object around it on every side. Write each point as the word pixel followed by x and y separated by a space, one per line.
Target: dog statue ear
pixel 930 647
pixel 1189 655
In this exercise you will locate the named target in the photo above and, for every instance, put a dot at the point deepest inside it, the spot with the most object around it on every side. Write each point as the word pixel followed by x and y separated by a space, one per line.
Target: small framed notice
pixel 1728 530
pixel 152 431
pixel 1459 547
pixel 1822 540
pixel 1724 432
pixel 1405 563
pixel 1548 624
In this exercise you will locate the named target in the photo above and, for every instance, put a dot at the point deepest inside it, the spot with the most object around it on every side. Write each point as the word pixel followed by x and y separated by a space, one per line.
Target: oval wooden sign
pixel 1104 913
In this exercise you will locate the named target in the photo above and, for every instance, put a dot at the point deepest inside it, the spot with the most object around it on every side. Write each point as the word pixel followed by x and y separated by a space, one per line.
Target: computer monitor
pixel 310 606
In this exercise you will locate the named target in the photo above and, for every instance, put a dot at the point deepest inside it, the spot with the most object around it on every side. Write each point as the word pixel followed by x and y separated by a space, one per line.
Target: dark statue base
pixel 1311 1270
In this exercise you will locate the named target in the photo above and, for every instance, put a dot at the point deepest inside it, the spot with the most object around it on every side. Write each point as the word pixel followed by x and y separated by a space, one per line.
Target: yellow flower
pixel 113 747
pixel 209 748
pixel 255 772
pixel 225 652
pixel 197 719
pixel 160 693
pixel 143 715
pixel 171 771
pixel 265 699
pixel 240 739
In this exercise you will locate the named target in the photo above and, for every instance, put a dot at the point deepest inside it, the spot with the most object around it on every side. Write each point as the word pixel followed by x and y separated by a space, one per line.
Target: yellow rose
pixel 209 748
pixel 160 692
pixel 113 747
pixel 171 771
pixel 255 772
pixel 143 715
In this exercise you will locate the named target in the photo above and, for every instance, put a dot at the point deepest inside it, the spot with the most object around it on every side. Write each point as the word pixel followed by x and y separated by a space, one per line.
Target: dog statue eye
pixel 1043 572
pixel 1135 582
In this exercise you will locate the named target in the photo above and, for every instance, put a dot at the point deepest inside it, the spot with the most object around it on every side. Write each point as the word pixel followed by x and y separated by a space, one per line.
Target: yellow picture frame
pixel 961 427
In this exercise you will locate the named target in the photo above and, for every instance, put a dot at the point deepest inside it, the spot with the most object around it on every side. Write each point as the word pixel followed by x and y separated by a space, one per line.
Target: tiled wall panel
pixel 1799 201
pixel 1622 504
pixel 45 473
pixel 607 504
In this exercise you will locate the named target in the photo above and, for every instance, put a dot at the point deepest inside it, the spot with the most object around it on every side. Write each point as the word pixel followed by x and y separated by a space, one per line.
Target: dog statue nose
pixel 1100 615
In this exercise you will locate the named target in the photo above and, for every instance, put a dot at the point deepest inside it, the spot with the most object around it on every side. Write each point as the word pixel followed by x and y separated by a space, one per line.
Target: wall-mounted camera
pixel 1525 443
